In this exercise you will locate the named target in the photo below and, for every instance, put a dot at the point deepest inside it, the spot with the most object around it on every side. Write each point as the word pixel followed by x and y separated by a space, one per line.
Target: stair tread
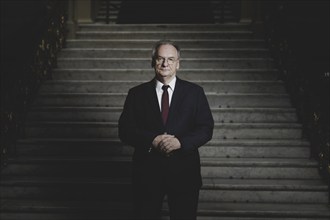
pixel 176 40
pixel 264 184
pixel 115 124
pixel 267 208
pixel 164 25
pixel 65 205
pixel 207 161
pixel 148 49
pixel 212 142
pixel 102 108
pixel 258 142
pixel 143 81
pixel 269 70
pixel 203 207
pixel 124 93
pixel 148 59
pixel 163 31
pixel 256 162
pixel 208 183
pixel 264 207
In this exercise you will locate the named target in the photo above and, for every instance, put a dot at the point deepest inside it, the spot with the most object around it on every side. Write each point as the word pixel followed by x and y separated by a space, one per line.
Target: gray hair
pixel 157 45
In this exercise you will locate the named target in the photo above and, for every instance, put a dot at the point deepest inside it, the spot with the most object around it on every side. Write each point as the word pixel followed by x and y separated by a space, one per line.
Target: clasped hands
pixel 166 143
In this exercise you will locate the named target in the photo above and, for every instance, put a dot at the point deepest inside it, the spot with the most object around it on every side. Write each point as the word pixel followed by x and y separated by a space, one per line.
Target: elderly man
pixel 166 120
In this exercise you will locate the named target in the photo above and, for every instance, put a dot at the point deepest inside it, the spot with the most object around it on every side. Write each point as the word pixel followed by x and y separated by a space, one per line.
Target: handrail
pixel 21 80
pixel 306 79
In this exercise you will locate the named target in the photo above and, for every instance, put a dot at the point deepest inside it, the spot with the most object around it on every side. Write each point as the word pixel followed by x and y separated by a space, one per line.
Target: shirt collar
pixel 159 85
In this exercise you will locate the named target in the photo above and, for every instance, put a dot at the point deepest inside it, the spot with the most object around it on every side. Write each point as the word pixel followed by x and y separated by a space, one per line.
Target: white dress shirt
pixel 160 91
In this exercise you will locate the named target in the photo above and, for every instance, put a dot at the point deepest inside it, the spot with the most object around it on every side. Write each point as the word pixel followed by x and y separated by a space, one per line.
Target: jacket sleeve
pixel 128 127
pixel 202 130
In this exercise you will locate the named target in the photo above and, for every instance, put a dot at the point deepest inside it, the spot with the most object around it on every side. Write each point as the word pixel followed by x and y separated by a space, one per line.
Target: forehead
pixel 167 50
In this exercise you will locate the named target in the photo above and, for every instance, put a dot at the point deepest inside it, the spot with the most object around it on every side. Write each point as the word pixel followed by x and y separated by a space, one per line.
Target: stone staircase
pixel 114 8
pixel 71 164
pixel 222 10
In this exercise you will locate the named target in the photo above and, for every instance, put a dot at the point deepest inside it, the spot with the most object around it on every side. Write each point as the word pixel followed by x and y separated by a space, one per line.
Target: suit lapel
pixel 153 103
pixel 175 104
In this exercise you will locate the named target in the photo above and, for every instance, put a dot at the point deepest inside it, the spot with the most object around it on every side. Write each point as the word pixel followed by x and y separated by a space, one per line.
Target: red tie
pixel 165 104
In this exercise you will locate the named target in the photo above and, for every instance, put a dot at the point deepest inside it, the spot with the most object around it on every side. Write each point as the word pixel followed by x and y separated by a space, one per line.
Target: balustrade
pixel 26 64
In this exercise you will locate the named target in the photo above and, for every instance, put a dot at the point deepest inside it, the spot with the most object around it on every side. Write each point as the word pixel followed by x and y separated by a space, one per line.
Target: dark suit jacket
pixel 190 120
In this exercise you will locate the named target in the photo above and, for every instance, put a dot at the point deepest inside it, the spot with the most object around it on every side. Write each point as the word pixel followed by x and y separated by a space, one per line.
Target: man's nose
pixel 165 62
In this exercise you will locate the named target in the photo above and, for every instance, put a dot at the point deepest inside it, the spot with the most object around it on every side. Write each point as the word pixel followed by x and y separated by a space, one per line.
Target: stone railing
pixel 298 37
pixel 28 56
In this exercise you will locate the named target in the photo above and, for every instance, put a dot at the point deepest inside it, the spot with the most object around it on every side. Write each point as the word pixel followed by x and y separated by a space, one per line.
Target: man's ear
pixel 178 65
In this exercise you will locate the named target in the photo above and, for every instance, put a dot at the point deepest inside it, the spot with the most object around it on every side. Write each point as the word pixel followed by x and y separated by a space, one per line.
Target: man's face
pixel 167 62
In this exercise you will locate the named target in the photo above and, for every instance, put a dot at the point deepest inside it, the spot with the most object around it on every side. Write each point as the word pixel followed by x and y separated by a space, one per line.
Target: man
pixel 166 120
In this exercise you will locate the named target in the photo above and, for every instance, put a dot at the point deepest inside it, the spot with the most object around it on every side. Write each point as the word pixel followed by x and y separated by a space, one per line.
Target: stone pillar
pixel 83 11
pixel 71 22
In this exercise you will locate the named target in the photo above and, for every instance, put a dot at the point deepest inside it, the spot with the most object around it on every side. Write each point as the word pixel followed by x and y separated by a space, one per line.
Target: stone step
pixel 55 129
pixel 62 167
pixel 113 3
pixel 114 9
pixel 259 152
pixel 258 168
pixel 261 148
pixel 140 63
pixel 102 12
pixel 120 167
pixel 110 86
pixel 263 211
pixel 112 19
pixel 256 192
pixel 66 189
pixel 117 100
pixel 165 27
pixel 256 115
pixel 213 190
pixel 101 15
pixel 164 35
pixel 148 74
pixel 158 12
pixel 59 210
pixel 48 147
pixel 232 168
pixel 103 114
pixel 146 53
pixel 145 43
pixel 65 210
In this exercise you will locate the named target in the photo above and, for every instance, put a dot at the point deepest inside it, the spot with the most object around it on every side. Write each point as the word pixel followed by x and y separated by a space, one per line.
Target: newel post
pixel 83 11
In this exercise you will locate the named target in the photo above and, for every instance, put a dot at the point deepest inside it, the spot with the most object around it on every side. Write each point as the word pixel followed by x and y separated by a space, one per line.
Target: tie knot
pixel 165 87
